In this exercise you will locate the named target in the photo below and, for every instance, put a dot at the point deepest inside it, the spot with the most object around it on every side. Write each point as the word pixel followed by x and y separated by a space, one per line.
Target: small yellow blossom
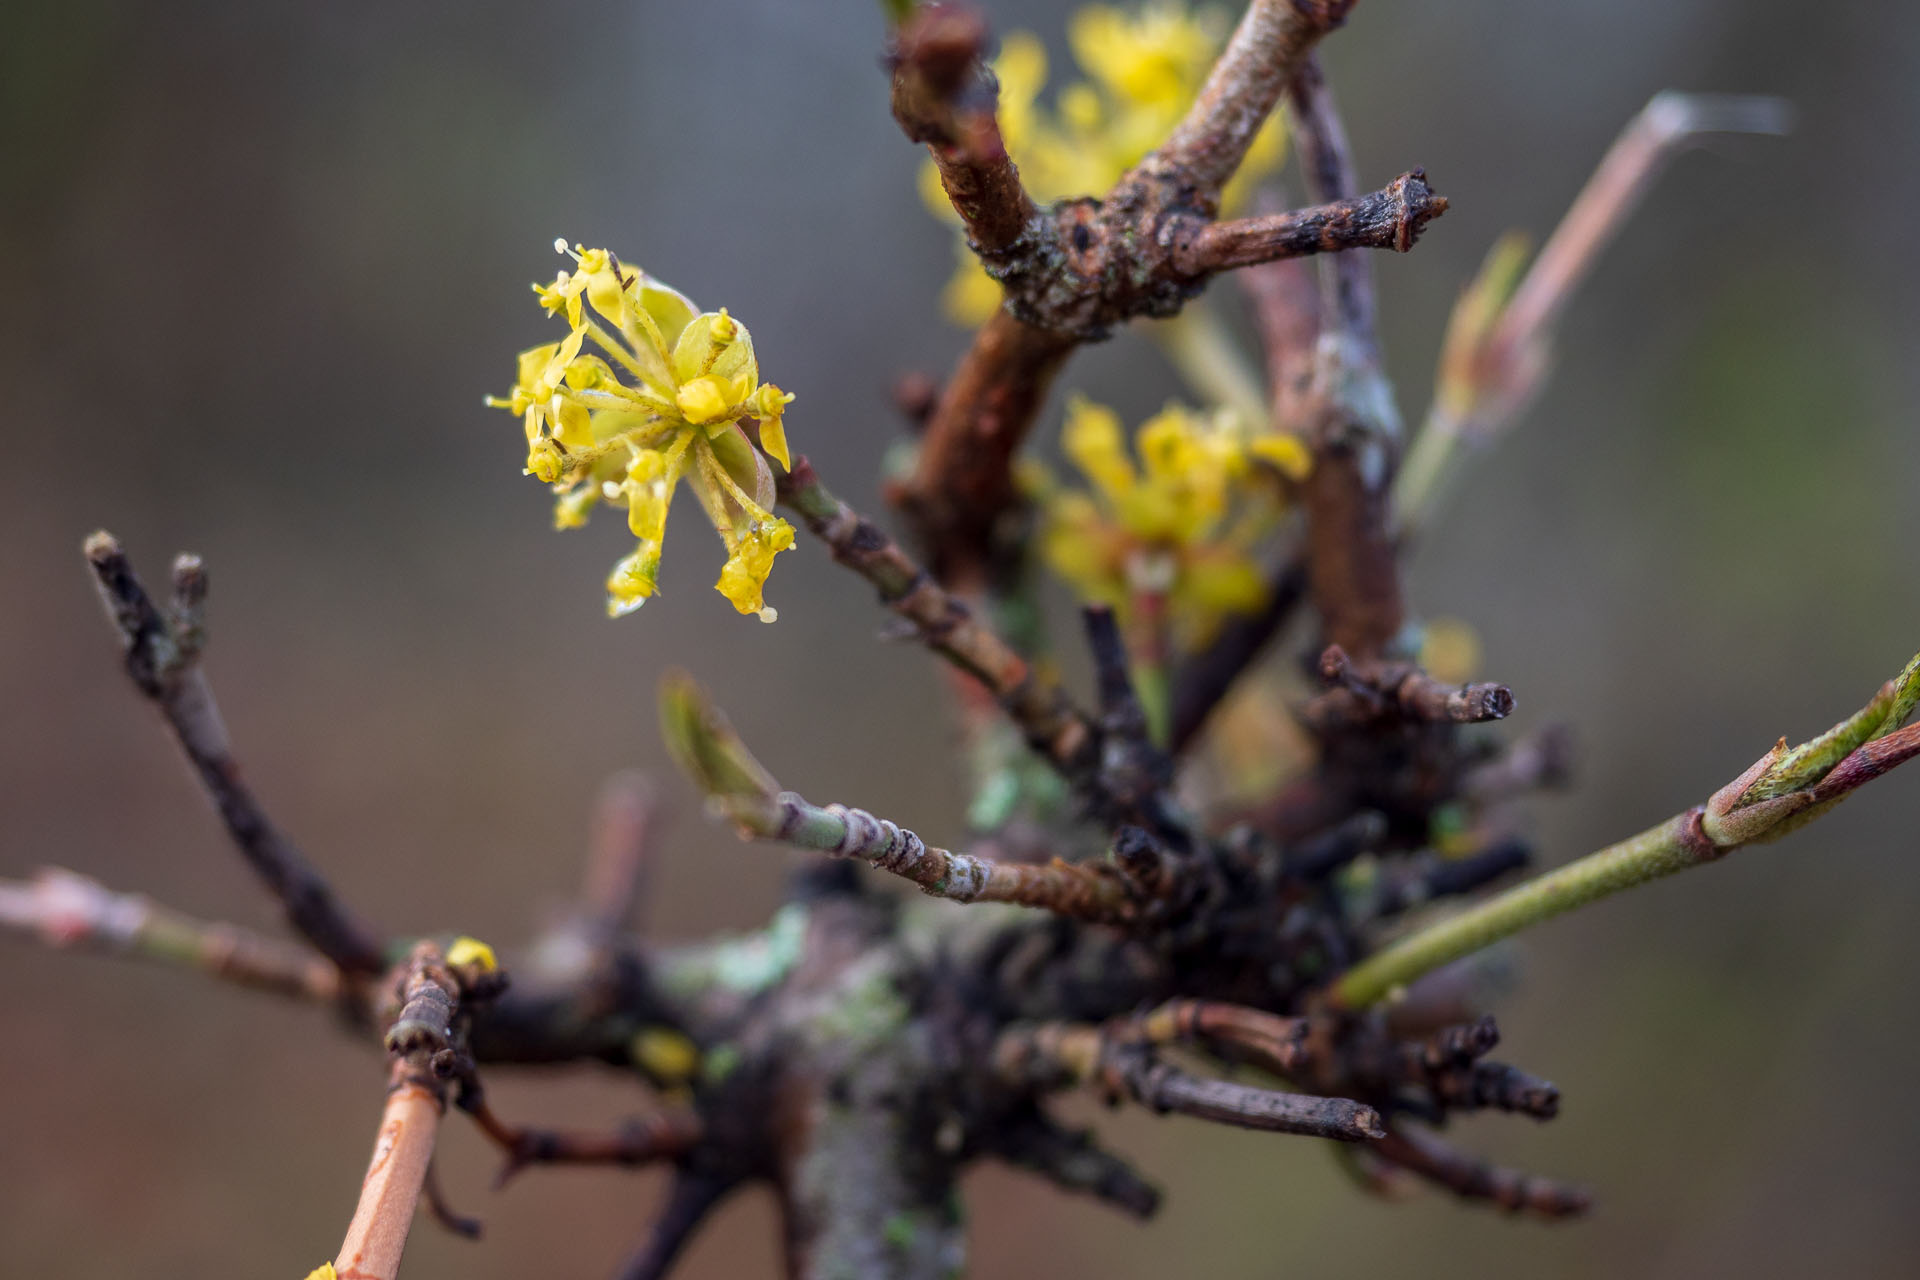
pixel 662 398
pixel 324 1271
pixel 665 1054
pixel 1144 70
pixel 471 951
pixel 1179 515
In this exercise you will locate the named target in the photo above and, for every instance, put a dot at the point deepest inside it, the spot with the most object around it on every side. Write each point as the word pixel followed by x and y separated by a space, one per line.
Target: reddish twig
pixel 68 910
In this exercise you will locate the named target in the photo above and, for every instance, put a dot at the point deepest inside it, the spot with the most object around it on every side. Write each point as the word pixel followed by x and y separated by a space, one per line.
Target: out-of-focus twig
pixel 1498 347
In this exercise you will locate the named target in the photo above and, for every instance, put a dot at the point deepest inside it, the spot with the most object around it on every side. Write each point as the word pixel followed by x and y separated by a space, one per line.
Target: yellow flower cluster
pixel 1143 71
pixel 1180 524
pixel 692 381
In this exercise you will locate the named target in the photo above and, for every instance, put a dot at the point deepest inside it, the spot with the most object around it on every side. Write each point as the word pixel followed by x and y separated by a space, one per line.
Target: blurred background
pixel 260 263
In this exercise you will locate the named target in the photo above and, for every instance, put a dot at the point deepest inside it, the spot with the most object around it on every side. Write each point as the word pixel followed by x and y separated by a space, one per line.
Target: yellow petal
pixel 705 400
pixel 1287 453
pixel 471 951
pixel 324 1271
pixel 1093 440
pixel 744 576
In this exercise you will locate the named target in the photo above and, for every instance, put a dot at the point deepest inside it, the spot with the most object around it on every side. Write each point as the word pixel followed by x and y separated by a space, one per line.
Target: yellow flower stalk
pixel 661 397
pixel 1175 519
pixel 1143 70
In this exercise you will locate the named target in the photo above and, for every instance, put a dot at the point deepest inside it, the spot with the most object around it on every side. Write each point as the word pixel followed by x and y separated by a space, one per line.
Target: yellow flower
pixel 1180 515
pixel 664 399
pixel 1145 68
pixel 324 1271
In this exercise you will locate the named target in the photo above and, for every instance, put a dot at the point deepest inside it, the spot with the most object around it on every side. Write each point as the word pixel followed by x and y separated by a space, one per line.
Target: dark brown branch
pixel 460 1224
pixel 1037 706
pixel 1372 690
pixel 1432 876
pixel 1118 1058
pixel 1349 415
pixel 162 657
pixel 1072 1160
pixel 1205 679
pixel 1163 1087
pixel 1390 218
pixel 1474 1179
pixel 943 95
pixel 690 1198
pixel 961 491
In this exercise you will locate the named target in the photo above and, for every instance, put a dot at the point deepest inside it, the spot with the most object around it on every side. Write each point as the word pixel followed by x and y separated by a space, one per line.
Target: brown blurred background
pixel 261 261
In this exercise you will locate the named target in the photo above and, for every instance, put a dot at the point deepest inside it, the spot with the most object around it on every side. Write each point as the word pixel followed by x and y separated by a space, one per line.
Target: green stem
pixel 1204 353
pixel 1655 852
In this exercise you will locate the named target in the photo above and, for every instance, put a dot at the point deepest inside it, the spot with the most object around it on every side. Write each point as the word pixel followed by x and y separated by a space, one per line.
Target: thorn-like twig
pixel 1374 690
pixel 162 657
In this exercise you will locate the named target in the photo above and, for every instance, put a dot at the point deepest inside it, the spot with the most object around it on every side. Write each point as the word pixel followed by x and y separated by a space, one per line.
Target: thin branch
pixel 690 1198
pixel 68 910
pixel 1204 681
pixel 1263 54
pixel 1119 1059
pixel 1071 1159
pixel 162 657
pixel 1083 891
pixel 1035 703
pixel 1775 795
pixel 1474 1179
pixel 1390 218
pixel 1432 876
pixel 1543 760
pixel 1498 348
pixel 1372 690
pixel 649 1139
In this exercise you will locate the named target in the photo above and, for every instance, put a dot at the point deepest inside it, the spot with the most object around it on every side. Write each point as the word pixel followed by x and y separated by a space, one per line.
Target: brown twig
pixel 1390 218
pixel 1036 704
pixel 1348 413
pixel 1474 1179
pixel 690 1198
pixel 1072 1160
pixel 1373 690
pixel 1119 1059
pixel 162 657
pixel 944 96
pixel 68 910
pixel 1074 272
pixel 667 1134
pixel 1204 681
pixel 428 995
pixel 1498 350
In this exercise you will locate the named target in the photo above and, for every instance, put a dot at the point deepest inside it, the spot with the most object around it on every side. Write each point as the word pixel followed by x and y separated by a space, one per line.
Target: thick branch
pixel 944 96
pixel 162 657
pixel 1266 49
pixel 1349 414
pixel 690 1198
pixel 68 910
